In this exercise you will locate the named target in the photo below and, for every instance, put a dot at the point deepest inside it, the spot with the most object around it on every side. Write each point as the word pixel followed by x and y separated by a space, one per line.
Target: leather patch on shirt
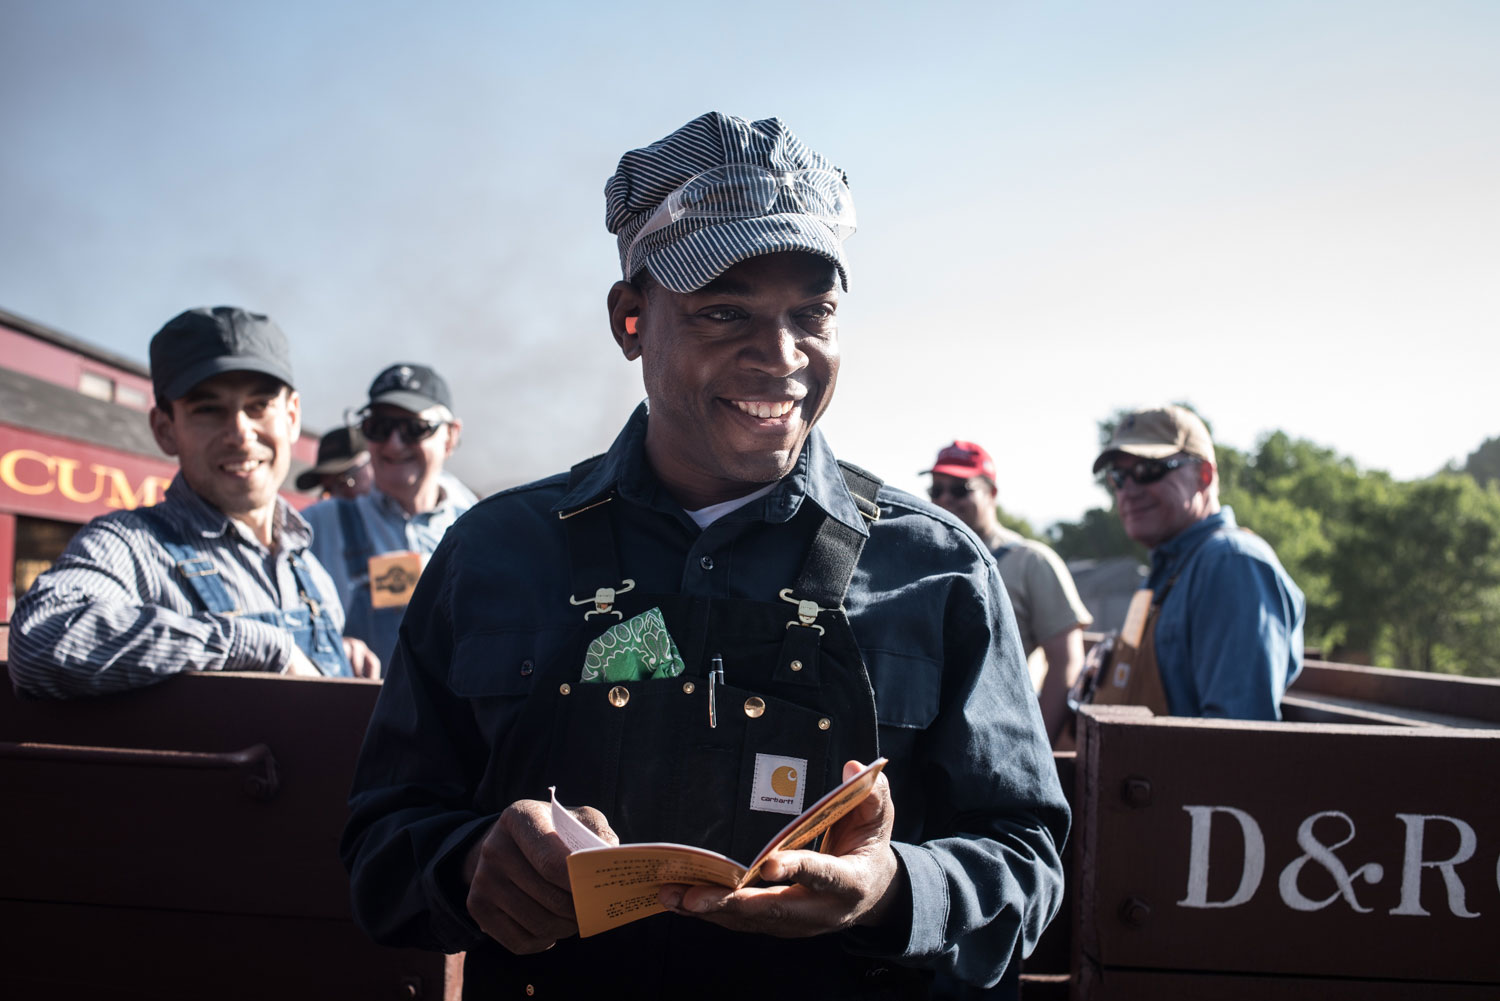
pixel 393 577
pixel 778 785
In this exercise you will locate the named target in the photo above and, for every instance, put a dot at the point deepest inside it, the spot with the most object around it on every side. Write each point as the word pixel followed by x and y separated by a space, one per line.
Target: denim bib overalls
pixel 376 626
pixel 647 754
pixel 311 627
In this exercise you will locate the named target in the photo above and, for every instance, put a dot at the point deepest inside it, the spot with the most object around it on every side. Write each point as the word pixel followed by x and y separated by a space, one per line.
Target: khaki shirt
pixel 1041 589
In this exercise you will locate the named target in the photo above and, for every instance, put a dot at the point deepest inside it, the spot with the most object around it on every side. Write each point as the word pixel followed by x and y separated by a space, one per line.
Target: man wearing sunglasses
pixel 1049 613
pixel 813 618
pixel 376 545
pixel 1217 628
pixel 218 575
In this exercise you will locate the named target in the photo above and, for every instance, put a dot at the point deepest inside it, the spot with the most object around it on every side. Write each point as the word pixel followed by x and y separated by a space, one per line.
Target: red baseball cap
pixel 964 459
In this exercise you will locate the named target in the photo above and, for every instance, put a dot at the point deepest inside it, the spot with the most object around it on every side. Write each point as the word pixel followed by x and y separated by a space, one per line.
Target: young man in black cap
pixel 813 617
pixel 343 466
pixel 375 545
pixel 218 576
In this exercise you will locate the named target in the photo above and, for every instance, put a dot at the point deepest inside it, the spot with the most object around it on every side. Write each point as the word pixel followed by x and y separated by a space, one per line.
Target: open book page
pixel 574 835
pixel 616 884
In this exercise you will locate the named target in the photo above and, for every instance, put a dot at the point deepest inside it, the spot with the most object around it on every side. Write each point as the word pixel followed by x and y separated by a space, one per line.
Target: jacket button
pixel 796 665
pixel 755 706
pixel 706 563
pixel 565 688
pixel 689 687
pixel 824 723
pixel 618 696
pixel 525 668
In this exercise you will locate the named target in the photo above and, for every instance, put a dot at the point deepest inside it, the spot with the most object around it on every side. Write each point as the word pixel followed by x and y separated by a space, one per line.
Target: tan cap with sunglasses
pixel 1158 434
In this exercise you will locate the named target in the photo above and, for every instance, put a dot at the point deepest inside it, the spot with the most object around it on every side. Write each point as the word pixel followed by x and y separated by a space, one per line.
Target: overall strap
pixel 822 584
pixel 307 587
pixel 592 554
pixel 198 571
pixel 829 565
pixel 357 546
pixel 321 642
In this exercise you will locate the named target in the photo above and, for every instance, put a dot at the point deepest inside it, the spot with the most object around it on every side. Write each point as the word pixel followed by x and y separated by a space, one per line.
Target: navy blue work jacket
pixel 980 819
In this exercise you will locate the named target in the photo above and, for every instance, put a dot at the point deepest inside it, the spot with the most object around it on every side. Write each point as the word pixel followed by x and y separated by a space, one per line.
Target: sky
pixel 1286 213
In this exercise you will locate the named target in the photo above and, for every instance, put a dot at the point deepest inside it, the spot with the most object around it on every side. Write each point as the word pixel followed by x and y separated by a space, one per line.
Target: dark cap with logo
pixel 201 343
pixel 339 450
pixel 411 387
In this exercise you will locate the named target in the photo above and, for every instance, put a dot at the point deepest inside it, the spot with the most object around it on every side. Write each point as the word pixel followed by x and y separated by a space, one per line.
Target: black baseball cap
pixel 338 451
pixel 411 387
pixel 201 343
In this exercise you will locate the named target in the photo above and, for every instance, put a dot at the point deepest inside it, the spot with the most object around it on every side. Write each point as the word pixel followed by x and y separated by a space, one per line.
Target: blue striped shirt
pixel 114 612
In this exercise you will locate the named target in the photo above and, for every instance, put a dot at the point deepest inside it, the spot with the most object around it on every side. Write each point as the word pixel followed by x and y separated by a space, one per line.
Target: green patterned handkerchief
pixel 633 650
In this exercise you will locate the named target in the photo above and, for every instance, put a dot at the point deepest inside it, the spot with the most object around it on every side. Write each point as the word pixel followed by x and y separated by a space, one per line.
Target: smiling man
pixel 376 544
pixel 695 635
pixel 1217 628
pixel 218 576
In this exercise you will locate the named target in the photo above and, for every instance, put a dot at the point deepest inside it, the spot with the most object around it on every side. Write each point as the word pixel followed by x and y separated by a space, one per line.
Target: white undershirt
pixel 706 516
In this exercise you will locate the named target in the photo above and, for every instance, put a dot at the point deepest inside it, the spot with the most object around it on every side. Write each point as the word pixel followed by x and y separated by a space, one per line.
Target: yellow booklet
pixel 614 885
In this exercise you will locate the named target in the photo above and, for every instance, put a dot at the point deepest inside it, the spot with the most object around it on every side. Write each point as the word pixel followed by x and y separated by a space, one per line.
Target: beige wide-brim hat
pixel 1157 434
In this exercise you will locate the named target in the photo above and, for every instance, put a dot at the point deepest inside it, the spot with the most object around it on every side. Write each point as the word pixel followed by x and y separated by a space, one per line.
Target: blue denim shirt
pixel 1229 636
pixel 978 834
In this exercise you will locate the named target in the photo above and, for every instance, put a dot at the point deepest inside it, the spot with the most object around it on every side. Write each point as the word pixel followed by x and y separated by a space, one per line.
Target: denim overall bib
pixel 376 626
pixel 310 626
pixel 645 753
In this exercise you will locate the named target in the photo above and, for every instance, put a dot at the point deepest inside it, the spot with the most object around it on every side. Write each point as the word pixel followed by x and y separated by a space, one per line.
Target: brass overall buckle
pixel 604 600
pixel 807 611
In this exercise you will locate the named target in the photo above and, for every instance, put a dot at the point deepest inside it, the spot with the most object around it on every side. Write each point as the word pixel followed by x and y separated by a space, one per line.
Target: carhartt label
pixel 778 784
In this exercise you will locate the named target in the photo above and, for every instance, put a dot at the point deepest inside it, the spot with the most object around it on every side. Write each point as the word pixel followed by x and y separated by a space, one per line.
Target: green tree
pixel 1017 524
pixel 1484 462
pixel 1443 585
pixel 1098 536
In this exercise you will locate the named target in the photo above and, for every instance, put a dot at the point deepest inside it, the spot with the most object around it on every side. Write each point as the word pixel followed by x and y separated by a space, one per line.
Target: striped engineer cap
pixel 689 253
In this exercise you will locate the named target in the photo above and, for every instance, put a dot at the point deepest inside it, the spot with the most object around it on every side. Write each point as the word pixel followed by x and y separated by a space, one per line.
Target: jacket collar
pixel 625 472
pixel 1187 540
pixel 196 516
pixel 390 507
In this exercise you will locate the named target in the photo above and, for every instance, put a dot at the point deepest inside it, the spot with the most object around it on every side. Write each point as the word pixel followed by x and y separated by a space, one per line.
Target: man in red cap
pixel 1049 613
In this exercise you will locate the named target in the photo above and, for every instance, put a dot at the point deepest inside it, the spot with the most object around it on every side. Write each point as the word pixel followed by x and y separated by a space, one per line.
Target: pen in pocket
pixel 715 677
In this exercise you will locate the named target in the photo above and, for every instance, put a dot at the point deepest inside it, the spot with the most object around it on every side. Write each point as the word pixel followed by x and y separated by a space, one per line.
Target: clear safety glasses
pixel 747 191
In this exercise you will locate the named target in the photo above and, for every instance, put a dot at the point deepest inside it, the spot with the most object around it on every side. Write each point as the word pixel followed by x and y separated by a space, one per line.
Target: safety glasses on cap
pixel 748 191
pixel 1146 471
